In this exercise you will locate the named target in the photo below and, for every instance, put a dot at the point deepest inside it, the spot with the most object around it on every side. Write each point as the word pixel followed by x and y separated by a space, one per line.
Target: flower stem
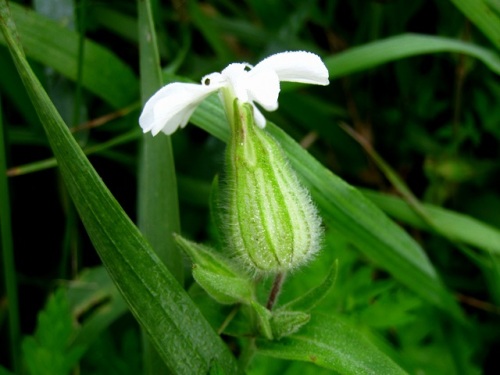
pixel 228 319
pixel 275 290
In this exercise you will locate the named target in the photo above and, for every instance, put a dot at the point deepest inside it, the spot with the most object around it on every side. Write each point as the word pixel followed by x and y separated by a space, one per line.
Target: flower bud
pixel 272 224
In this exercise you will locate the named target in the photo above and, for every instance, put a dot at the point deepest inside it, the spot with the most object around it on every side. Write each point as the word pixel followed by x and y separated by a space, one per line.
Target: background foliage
pixel 411 118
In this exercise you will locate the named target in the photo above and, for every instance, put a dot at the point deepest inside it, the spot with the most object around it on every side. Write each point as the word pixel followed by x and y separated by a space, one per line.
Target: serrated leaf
pixel 94 296
pixel 48 352
pixel 332 343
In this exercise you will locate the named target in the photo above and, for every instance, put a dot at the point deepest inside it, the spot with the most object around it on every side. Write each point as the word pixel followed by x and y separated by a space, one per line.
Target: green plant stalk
pixel 158 204
pixel 52 162
pixel 183 338
pixel 9 269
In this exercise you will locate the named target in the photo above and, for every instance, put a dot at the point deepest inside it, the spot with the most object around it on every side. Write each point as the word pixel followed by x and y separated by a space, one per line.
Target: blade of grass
pixel 182 337
pixel 158 202
pixel 158 205
pixel 9 269
pixel 461 227
pixel 407 194
pixel 397 47
pixel 95 149
pixel 483 16
pixel 49 43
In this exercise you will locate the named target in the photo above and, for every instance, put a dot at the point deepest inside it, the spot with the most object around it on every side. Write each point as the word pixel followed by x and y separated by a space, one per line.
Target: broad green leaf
pixel 397 47
pixel 458 226
pixel 180 334
pixel 482 14
pixel 332 343
pixel 51 44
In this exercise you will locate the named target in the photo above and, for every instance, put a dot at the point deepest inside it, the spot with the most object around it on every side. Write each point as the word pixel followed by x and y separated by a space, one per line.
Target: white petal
pixel 297 66
pixel 264 87
pixel 259 118
pixel 237 78
pixel 171 106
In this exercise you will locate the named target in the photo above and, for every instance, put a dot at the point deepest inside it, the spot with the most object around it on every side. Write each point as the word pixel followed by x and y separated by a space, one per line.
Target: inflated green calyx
pixel 271 222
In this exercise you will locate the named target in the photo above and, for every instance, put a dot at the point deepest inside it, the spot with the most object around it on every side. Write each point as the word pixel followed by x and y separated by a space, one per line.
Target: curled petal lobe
pixel 237 79
pixel 171 106
pixel 259 118
pixel 297 66
pixel 264 87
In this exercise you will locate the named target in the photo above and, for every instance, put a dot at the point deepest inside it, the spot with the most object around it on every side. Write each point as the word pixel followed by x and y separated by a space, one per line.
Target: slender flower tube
pixel 172 106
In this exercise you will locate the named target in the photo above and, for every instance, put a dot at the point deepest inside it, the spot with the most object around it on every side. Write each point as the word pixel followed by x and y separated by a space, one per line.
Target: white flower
pixel 172 106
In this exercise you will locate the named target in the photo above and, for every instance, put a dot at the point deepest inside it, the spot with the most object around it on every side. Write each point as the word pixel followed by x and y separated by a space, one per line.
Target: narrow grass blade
pixel 397 47
pixel 180 334
pixel 459 226
pixel 483 15
pixel 47 42
pixel 158 204
pixel 158 209
pixel 9 268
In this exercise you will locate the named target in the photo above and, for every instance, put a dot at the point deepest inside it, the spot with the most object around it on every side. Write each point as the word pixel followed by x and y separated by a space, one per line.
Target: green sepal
pixel 284 323
pixel 224 289
pixel 270 219
pixel 264 320
pixel 214 204
pixel 221 279
pixel 313 297
pixel 208 258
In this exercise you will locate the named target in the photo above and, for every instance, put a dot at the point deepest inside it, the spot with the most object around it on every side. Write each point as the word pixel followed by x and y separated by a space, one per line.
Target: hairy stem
pixel 275 290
